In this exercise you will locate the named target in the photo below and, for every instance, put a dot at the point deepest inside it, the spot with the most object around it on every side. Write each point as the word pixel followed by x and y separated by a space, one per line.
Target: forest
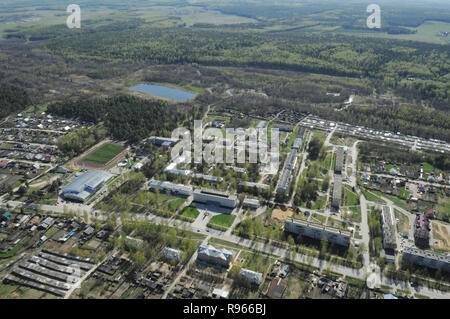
pixel 126 117
pixel 391 62
pixel 12 99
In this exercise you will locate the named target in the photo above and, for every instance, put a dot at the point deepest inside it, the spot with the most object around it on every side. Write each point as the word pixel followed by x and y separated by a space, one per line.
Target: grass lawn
pixel 404 193
pixel 397 201
pixel 350 198
pixel 189 213
pixel 221 221
pixel 372 197
pixel 176 203
pixel 427 167
pixel 104 154
pixel 319 203
pixel 318 218
pixel 336 223
pixel 53 230
pixel 354 214
pixel 14 251
pixel 292 137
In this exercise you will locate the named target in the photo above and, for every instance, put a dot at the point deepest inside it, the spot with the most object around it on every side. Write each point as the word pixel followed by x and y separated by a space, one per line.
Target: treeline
pixel 126 117
pixel 76 142
pixel 12 99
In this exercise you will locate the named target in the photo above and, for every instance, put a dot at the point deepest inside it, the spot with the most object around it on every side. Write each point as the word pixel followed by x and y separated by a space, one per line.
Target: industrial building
pixel 426 258
pixel 339 160
pixel 252 277
pixel 337 192
pixel 210 196
pixel 389 239
pixel 213 256
pixel 317 231
pixel 85 185
pixel 250 203
pixel 168 187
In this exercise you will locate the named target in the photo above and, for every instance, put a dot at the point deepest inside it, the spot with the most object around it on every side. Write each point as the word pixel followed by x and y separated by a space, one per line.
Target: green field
pixel 189 214
pixel 221 222
pixel 427 32
pixel 104 154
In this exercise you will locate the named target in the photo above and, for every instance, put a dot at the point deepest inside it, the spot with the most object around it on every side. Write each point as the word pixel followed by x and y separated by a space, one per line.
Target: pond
pixel 164 91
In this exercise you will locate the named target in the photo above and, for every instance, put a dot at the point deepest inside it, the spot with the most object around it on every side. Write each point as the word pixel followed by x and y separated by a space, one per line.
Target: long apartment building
pixel 168 187
pixel 318 231
pixel 337 188
pixel 337 192
pixel 210 196
pixel 339 160
pixel 426 258
pixel 287 172
pixel 389 238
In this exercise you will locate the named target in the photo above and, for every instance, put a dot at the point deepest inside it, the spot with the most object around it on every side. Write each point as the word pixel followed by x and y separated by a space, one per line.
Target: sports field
pixel 103 155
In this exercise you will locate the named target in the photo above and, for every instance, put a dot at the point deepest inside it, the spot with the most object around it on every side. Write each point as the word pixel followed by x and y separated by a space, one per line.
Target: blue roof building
pixel 85 185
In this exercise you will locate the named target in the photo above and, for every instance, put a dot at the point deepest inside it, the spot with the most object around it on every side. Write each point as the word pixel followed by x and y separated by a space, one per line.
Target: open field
pixel 442 236
pixel 427 32
pixel 403 222
pixel 281 215
pixel 103 155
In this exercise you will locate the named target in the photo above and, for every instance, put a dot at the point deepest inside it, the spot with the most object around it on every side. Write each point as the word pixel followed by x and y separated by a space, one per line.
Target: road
pixel 365 229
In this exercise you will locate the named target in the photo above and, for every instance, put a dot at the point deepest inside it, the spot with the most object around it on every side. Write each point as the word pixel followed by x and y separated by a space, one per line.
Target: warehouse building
pixel 85 185
pixel 213 256
pixel 252 277
pixel 168 187
pixel 426 258
pixel 210 196
pixel 339 160
pixel 317 231
pixel 389 239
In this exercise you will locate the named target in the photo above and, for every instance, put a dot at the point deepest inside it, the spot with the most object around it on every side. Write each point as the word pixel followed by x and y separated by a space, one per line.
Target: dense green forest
pixel 390 62
pixel 12 99
pixel 126 117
